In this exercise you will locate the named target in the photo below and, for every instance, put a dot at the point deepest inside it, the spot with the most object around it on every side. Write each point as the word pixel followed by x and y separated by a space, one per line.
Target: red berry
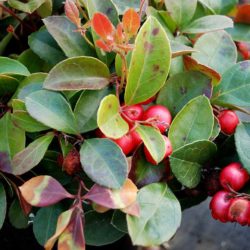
pixel 239 210
pixel 71 163
pixel 151 99
pixel 125 143
pixel 132 113
pixel 160 115
pixel 169 151
pixel 136 138
pixel 219 205
pixel 233 175
pixel 228 121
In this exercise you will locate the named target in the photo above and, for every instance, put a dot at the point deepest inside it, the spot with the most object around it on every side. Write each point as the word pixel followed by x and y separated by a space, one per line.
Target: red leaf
pixel 43 191
pixel 119 37
pixel 102 45
pixel 243 14
pixel 102 26
pixel 72 12
pixel 131 22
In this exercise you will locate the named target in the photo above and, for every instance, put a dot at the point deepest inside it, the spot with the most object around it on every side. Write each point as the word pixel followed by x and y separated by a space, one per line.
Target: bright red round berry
pixel 233 175
pixel 159 115
pixel 219 205
pixel 168 152
pixel 134 113
pixel 239 211
pixel 125 143
pixel 228 121
pixel 136 138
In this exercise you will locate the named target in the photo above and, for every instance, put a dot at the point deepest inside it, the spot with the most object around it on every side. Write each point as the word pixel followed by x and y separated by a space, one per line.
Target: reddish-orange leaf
pixel 102 45
pixel 131 22
pixel 243 14
pixel 72 12
pixel 102 26
pixel 119 33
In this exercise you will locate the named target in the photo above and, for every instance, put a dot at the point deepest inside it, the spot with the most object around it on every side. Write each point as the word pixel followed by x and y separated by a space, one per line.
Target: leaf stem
pixel 124 71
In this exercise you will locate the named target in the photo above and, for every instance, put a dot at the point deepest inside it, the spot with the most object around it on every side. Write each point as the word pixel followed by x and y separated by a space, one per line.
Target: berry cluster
pixel 228 205
pixel 157 116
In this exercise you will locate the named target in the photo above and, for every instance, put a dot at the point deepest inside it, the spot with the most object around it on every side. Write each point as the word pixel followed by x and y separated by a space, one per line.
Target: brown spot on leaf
pixel 184 138
pixel 109 11
pixel 109 106
pixel 144 33
pixel 149 47
pixel 155 31
pixel 183 90
pixel 156 67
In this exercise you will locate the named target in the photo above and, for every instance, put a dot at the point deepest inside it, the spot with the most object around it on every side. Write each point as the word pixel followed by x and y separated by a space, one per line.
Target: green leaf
pixel 104 162
pixel 12 138
pixel 150 63
pixel 179 49
pixel 208 24
pixel 219 6
pixel 30 84
pixel 119 221
pixel 86 115
pixel 63 31
pixel 242 141
pixel 143 172
pixel 52 110
pixel 106 233
pixel 182 11
pixel 216 50
pixel 153 140
pixel 31 155
pixel 122 6
pixel 109 119
pixel 234 88
pixel 27 6
pixel 3 205
pixel 45 221
pixel 8 85
pixel 44 45
pixel 193 123
pixel 187 161
pixel 46 8
pixel 78 73
pixel 216 129
pixel 12 67
pixel 16 216
pixel 240 32
pixel 31 60
pixel 108 8
pixel 160 216
pixel 183 87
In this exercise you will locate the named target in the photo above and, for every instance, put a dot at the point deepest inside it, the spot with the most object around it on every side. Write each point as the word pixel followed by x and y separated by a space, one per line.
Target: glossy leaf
pixel 124 5
pixel 29 6
pixel 78 73
pixel 104 162
pixel 183 87
pixel 8 85
pixel 179 49
pixel 12 138
pixel 113 198
pixel 216 129
pixel 10 66
pixel 106 233
pixel 192 64
pixel 194 122
pixel 3 205
pixel 240 32
pixel 160 216
pixel 52 110
pixel 31 155
pixel 150 63
pixel 119 221
pixel 62 223
pixel 109 119
pixel 181 11
pixel 143 172
pixel 216 50
pixel 208 24
pixel 62 30
pixel 44 45
pixel 43 191
pixel 242 140
pixel 45 221
pixel 107 8
pixel 131 22
pixel 187 161
pixel 234 88
pixel 219 6
pixel 153 140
